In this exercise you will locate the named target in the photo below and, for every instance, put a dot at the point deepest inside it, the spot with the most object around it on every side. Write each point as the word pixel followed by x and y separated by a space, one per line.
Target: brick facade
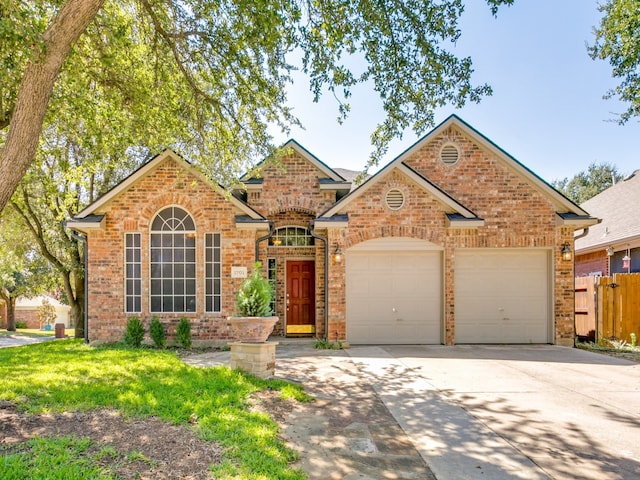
pixel 593 262
pixel 517 212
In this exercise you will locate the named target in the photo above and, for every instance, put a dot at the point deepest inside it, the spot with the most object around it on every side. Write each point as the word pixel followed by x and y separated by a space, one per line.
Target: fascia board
pixel 509 161
pixel 147 169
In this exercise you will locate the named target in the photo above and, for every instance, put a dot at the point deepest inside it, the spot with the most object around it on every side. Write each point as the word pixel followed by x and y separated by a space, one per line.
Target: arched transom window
pixel 291 237
pixel 173 261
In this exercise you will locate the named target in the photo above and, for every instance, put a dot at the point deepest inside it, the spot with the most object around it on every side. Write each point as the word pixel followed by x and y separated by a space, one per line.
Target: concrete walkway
pixel 465 412
pixel 18 340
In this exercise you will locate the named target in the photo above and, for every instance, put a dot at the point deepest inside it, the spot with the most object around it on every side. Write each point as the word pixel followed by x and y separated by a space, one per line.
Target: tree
pixel 46 313
pixel 23 272
pixel 587 184
pixel 618 41
pixel 231 65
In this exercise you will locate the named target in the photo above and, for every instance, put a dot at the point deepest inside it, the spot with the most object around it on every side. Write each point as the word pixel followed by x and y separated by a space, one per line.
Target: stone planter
pixel 251 329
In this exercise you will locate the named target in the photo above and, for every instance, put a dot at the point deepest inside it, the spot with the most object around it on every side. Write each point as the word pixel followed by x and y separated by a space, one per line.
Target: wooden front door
pixel 301 297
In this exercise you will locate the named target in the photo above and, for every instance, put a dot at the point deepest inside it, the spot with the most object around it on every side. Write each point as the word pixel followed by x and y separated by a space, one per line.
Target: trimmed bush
pixel 157 332
pixel 254 297
pixel 21 325
pixel 183 333
pixel 134 333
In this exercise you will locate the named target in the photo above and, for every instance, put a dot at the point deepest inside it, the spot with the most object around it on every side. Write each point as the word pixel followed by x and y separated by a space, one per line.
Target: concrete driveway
pixel 528 412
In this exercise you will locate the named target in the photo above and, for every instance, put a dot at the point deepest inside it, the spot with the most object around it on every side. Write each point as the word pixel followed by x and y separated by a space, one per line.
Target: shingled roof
pixel 617 206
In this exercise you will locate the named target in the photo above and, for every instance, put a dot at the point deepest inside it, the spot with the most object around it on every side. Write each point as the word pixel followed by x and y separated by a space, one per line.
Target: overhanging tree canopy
pixel 229 63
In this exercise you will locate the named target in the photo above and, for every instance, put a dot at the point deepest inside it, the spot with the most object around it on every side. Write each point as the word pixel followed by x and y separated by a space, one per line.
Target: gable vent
pixel 449 154
pixel 395 199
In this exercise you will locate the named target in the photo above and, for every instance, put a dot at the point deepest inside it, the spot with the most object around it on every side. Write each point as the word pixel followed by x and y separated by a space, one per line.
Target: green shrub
pixel 21 325
pixel 183 333
pixel 157 332
pixel 254 297
pixel 134 333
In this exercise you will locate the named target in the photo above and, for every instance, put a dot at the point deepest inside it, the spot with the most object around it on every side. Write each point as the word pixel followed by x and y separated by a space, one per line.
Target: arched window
pixel 173 261
pixel 291 237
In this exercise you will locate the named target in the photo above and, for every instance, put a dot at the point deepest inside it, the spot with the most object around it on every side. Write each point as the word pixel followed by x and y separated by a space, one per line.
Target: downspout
pixel 326 278
pixel 585 232
pixel 272 230
pixel 83 239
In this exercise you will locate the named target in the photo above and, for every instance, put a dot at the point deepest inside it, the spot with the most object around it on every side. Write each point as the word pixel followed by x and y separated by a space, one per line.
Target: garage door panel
pixel 502 296
pixel 394 297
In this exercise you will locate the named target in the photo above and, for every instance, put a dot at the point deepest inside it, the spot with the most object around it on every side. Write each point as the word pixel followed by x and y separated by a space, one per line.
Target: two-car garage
pixel 395 293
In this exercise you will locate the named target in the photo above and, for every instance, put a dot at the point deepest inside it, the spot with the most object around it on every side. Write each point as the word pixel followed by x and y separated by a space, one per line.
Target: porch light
pixel 609 251
pixel 566 253
pixel 626 262
pixel 337 255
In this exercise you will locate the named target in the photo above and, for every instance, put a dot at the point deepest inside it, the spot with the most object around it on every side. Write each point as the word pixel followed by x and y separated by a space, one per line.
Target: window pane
pixel 178 304
pixel 137 304
pixel 209 304
pixel 178 270
pixel 216 286
pixel 167 303
pixel 190 270
pixel 167 239
pixel 216 240
pixel 167 287
pixel 216 304
pixel 191 304
pixel 156 287
pixel 190 255
pixel 190 241
pixel 216 255
pixel 178 240
pixel 156 303
pixel 178 287
pixel 179 255
pixel 208 272
pixel 190 287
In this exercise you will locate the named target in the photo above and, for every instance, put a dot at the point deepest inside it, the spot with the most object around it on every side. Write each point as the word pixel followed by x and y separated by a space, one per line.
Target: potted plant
pixel 254 321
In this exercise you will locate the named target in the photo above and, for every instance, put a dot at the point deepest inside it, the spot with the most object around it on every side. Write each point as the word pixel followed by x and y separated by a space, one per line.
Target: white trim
pixel 213 277
pixel 451 205
pixel 147 169
pixel 404 244
pixel 124 271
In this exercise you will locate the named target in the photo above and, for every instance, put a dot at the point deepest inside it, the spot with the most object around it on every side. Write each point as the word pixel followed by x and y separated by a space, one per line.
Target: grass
pixel 68 375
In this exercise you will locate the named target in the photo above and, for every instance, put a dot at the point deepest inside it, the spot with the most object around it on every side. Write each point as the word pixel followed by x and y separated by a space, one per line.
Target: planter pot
pixel 251 329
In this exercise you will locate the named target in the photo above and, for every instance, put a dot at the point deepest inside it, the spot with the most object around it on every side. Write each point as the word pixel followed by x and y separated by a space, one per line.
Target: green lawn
pixel 66 375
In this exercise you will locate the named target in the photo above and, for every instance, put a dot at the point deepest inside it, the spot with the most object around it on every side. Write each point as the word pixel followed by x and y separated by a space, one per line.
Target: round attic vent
pixel 449 154
pixel 395 199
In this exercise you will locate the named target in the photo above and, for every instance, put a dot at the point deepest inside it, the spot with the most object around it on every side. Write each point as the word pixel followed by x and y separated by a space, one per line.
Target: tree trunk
pixel 11 314
pixel 77 306
pixel 35 90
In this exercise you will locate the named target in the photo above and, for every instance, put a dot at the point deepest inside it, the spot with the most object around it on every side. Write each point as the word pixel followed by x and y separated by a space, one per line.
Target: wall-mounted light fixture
pixel 337 255
pixel 609 251
pixel 277 242
pixel 566 253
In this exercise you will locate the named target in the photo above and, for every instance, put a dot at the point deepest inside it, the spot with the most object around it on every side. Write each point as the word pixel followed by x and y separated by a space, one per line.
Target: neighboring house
pixel 27 311
pixel 603 250
pixel 454 241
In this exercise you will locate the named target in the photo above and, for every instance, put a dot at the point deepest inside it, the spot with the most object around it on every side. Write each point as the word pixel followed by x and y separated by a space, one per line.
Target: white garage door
pixel 502 296
pixel 394 296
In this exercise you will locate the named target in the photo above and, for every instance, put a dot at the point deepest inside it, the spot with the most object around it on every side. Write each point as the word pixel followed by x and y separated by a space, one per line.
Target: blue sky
pixel 547 109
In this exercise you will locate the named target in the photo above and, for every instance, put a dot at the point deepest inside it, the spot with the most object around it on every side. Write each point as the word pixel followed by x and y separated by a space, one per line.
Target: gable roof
pixel 452 205
pixel 617 206
pixel 563 204
pixel 309 157
pixel 569 213
pixel 87 214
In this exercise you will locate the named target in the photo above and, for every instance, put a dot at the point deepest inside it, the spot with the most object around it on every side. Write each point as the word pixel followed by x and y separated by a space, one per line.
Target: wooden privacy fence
pixel 608 307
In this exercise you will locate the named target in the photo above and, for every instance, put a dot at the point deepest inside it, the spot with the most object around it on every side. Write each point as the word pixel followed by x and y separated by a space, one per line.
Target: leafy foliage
pixel 587 184
pixel 210 78
pixel 157 332
pixel 183 332
pixel 46 312
pixel 254 296
pixel 134 332
pixel 618 41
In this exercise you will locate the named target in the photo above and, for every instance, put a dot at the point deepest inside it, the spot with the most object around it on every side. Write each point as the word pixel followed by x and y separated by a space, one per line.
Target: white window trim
pixel 213 295
pixel 124 272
